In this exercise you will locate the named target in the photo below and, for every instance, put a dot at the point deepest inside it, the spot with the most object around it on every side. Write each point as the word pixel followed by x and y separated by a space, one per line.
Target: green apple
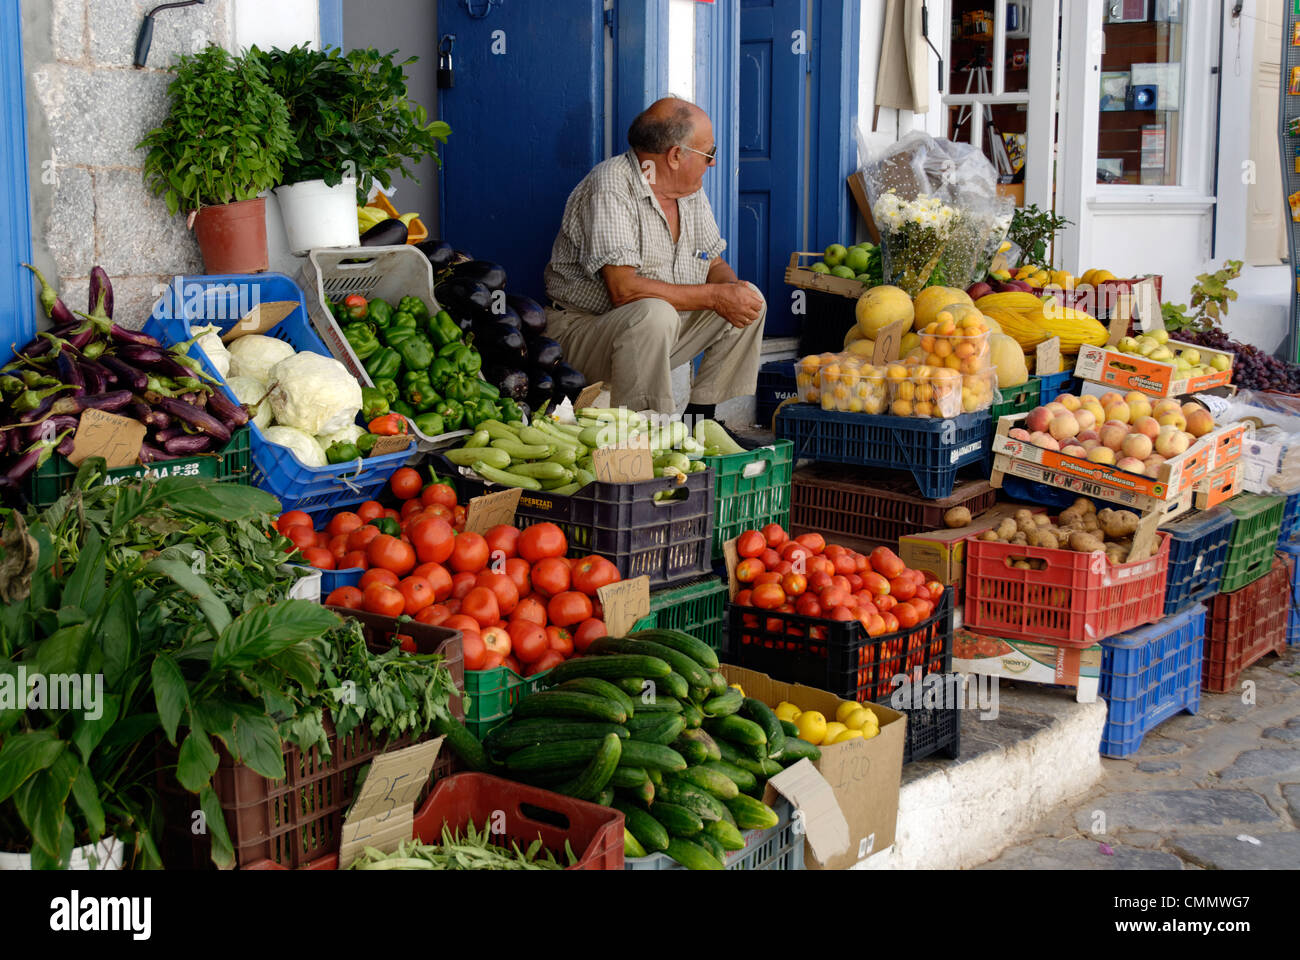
pixel 843 271
pixel 863 277
pixel 1163 354
pixel 1127 345
pixel 857 259
pixel 835 254
pixel 1161 335
pixel 820 267
pixel 1220 362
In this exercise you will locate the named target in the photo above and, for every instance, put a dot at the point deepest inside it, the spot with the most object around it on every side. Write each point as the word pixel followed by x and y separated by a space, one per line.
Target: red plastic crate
pixel 595 833
pixel 1244 626
pixel 1075 600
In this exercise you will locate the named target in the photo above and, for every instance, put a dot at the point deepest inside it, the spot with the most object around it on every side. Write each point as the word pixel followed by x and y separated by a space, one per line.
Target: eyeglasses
pixel 711 156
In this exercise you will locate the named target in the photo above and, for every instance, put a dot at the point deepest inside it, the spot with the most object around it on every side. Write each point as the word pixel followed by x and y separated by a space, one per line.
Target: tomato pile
pixel 808 576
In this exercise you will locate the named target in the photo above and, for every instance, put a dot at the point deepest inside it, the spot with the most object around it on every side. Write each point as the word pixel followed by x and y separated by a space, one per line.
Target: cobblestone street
pixel 1219 790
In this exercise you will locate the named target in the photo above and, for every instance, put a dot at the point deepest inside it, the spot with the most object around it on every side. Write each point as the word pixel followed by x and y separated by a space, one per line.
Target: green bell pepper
pixel 462 387
pixel 463 357
pixel 452 413
pixel 387 525
pixel 384 365
pixel 400 326
pixel 443 329
pixel 439 371
pixel 430 424
pixel 402 407
pixel 373 403
pixel 510 412
pixel 418 391
pixel 361 338
pixel 381 313
pixel 416 352
pixel 340 452
pixel 366 442
pixel 487 388
pixel 388 387
pixel 414 306
pixel 477 411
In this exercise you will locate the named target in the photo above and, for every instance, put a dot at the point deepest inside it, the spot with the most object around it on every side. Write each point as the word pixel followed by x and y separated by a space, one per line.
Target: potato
pixel 1085 543
pixel 1042 538
pixel 1118 524
pixel 1042 519
pixel 1116 554
pixel 989 535
pixel 1020 540
pixel 1024 514
pixel 1006 529
pixel 1071 516
pixel 957 517
pixel 1023 565
pixel 1084 504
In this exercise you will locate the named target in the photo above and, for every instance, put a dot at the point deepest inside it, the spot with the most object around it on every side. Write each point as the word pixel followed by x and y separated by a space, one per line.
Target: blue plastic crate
pixel 331 580
pixel 776 382
pixel 1290 519
pixel 1053 385
pixel 1148 675
pixel 1198 550
pixel 224 300
pixel 1291 553
pixel 933 450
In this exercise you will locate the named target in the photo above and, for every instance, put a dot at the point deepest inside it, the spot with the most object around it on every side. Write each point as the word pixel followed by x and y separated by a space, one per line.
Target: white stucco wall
pixel 281 23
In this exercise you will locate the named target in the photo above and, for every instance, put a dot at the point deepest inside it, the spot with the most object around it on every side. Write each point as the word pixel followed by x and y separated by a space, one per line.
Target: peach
pixel 1200 422
pixel 1085 418
pixel 1189 407
pixel 1132 465
pixel 1069 401
pixel 1037 420
pixel 1141 407
pixel 1086 435
pixel 1164 406
pixel 1112 435
pixel 1044 440
pixel 1111 397
pixel 1137 446
pixel 1172 419
pixel 1153 464
pixel 1171 442
pixel 1063 426
pixel 1074 450
pixel 1056 408
pixel 1118 411
pixel 1133 396
pixel 1091 445
pixel 1147 425
pixel 1101 455
pixel 1018 434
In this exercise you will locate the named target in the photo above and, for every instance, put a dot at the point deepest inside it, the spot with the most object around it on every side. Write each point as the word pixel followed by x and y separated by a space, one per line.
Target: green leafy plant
pixel 1034 230
pixel 225 137
pixel 350 115
pixel 1210 297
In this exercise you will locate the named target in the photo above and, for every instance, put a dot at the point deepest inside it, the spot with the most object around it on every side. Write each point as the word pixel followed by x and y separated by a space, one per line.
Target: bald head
pixel 667 123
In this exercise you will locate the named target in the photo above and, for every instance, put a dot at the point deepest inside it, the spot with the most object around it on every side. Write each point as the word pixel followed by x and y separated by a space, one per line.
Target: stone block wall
pixel 87 108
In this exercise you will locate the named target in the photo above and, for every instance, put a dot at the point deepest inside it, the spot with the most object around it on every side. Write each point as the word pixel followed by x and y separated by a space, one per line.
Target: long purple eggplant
pixel 132 337
pixel 127 375
pixel 152 454
pixel 141 355
pixel 188 446
pixel 101 287
pixel 195 417
pixel 163 434
pixel 110 402
pixel 70 372
pixel 37 430
pixel 54 308
pixel 67 444
pixel 226 410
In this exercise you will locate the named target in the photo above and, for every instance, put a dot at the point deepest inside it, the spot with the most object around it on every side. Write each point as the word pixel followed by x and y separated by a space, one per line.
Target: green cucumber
pixel 711 781
pixel 643 793
pixel 752 814
pixel 550 756
pixel 692 856
pixel 632 686
pixel 710 745
pixel 611 667
pixel 694 716
pixel 731 754
pixel 518 734
pixel 697 650
pixel 629 778
pixel 742 778
pixel 797 749
pixel 649 832
pixel 660 705
pixel 761 714
pixel 678 820
pixel 683 794
pixel 692 750
pixel 652 756
pixel 562 703
pixel 688 668
pixel 463 743
pixel 711 844
pixel 724 704
pixel 724 833
pixel 700 694
pixel 605 798
pixel 790 729
pixel 737 729
pixel 600 688
pixel 660 728
pixel 631 846
pixel 718 682
pixel 676 686
pixel 656 776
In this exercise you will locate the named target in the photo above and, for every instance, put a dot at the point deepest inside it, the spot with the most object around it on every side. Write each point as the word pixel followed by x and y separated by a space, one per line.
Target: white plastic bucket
pixel 319 216
pixel 107 854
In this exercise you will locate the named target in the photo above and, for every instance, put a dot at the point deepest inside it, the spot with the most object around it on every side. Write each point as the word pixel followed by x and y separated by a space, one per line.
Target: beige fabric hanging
pixel 902 83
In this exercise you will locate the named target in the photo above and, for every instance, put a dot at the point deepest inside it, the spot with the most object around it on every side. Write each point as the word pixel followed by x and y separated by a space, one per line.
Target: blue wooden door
pixel 527 117
pixel 773 65
pixel 17 300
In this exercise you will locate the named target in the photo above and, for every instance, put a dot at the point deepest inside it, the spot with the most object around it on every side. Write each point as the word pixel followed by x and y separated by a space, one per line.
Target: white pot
pixel 319 216
pixel 107 855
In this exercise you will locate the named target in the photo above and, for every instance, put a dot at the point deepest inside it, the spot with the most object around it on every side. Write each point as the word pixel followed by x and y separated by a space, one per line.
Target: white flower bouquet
pixel 913 236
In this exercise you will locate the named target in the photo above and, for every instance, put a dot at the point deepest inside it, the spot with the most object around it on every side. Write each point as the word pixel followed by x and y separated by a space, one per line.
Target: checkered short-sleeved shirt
pixel 612 217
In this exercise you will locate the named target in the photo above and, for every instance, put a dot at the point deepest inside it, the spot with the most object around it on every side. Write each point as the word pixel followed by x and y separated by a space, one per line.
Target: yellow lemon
pixel 833 730
pixel 859 718
pixel 785 710
pixel 845 709
pixel 869 732
pixel 812 726
pixel 848 735
pixel 736 686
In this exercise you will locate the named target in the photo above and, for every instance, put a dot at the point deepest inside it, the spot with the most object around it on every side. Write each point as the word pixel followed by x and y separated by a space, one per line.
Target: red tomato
pixel 294 518
pixel 471 645
pixel 439 494
pixel 792 549
pixel 808 606
pixel 769 558
pixel 886 563
pixel 433 539
pixel 370 510
pixel 503 587
pixel 417 593
pixel 319 557
pixel 528 640
pixel 530 609
pixel 904 588
pixel 749 569
pixel 392 514
pixel 503 538
pixel 891 622
pixel 750 543
pixel 863 564
pixel 512 663
pixel 498 641
pixel 550 576
pixel 458 517
pixel 819 581
pixel 463 583
pixel 768 596
pixel 379 575
pixel 775 535
pixel 782 568
pixel 886 603
pixel 520 571
pixel 592 573
pixel 542 540
pixel 833 596
pixel 352 560
pixel 568 608
pixel 383 599
pixel 840 613
pixel 875 583
pixel 877 626
pixel 391 554
pixel 745 598
pixel 469 553
pixel 405 483
pixel 302 536
pixel 444 513
pixel 907 615
pixel 587 631
pixel 434 615
pixel 560 640
pixel 845 564
pixel 821 565
pixel 409 509
pixel 481 604
pixel 349 597
pixel 936 590
pixel 452 604
pixel 338 547
pixel 552 658
pixel 923 607
pixel 815 542
pixel 493 660
pixel 344 522
pixel 794 584
pixel 458 621
pixel 360 538
pixel 438 578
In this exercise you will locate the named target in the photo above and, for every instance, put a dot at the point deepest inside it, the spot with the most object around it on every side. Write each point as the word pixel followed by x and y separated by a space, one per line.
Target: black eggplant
pixel 542 386
pixel 511 381
pixel 386 233
pixel 530 313
pixel 545 352
pixel 568 382
pixel 509 318
pixel 490 274
pixel 500 342
pixel 439 252
pixel 463 292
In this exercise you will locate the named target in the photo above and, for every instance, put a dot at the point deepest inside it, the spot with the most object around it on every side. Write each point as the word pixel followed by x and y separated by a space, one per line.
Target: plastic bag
pixel 1271 458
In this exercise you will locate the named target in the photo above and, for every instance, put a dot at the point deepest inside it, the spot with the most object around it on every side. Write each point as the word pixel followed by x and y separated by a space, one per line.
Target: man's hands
pixel 738 303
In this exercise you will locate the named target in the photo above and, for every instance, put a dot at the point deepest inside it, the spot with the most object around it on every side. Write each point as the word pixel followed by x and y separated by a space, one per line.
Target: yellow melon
pixel 881 306
pixel 933 299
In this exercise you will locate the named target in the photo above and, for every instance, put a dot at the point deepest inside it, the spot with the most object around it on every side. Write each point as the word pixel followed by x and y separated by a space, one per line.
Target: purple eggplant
pixel 163 434
pixel 101 293
pixel 132 337
pixel 69 372
pixel 157 419
pixel 31 458
pixel 187 446
pixel 37 430
pixel 127 375
pixel 68 443
pixel 110 402
pixel 151 454
pixel 227 411
pixel 195 417
pixel 97 377
pixel 141 355
pixel 54 308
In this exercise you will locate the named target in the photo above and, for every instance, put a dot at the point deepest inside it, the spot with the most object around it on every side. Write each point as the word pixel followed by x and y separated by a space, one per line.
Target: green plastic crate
pixel 233 464
pixel 1254 538
pixel 1015 400
pixel 492 695
pixel 697 608
pixel 751 490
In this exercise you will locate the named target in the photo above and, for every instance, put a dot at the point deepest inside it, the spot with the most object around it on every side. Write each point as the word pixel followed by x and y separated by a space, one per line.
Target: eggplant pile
pixel 86 361
pixel 508 330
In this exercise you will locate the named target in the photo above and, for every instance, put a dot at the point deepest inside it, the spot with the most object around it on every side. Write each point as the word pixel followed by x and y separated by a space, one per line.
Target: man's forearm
pixel 720 272
pixel 626 289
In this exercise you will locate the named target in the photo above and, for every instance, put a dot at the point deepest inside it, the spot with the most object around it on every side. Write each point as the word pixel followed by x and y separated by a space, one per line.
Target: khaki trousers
pixel 634 349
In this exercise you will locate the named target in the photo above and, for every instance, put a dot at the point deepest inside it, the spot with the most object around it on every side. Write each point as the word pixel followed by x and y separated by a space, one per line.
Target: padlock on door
pixel 446 71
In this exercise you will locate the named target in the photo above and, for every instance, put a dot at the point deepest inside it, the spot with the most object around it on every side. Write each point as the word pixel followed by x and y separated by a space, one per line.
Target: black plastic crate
pixel 932 731
pixel 776 382
pixel 669 541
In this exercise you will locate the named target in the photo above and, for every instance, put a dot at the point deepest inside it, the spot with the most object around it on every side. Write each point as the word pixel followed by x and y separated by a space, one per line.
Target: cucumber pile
pixel 647 724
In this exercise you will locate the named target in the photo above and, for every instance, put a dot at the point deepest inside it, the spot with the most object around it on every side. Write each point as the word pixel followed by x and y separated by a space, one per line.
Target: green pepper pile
pixel 420 365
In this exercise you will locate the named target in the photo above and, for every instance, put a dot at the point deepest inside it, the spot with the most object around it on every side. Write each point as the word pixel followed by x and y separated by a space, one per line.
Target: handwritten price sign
pixel 382 815
pixel 99 434
pixel 625 603
pixel 485 512
pixel 630 464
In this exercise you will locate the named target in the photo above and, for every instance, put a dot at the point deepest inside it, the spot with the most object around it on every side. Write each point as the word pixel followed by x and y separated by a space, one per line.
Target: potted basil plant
pixel 352 126
pixel 219 149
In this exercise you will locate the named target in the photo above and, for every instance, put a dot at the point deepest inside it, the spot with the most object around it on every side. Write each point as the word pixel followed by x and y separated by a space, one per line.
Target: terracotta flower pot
pixel 232 237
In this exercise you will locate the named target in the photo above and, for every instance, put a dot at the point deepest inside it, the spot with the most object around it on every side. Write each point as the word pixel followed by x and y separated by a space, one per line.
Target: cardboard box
pixel 1224 484
pixel 864 775
pixel 942 553
pixel 1225 444
pixel 1029 661
pixel 1125 372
